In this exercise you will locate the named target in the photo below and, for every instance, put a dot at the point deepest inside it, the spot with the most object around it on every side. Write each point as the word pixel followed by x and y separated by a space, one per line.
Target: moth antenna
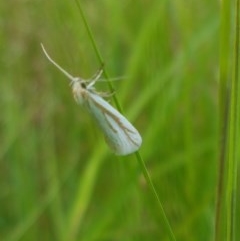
pixel 73 79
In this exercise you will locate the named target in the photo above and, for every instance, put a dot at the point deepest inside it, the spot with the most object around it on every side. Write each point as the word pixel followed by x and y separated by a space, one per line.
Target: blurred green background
pixel 58 179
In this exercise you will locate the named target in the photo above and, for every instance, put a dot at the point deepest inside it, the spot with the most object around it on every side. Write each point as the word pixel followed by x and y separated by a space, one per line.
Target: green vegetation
pixel 58 179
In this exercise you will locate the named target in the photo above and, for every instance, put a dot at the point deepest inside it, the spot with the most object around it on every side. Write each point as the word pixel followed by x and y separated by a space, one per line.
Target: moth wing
pixel 121 136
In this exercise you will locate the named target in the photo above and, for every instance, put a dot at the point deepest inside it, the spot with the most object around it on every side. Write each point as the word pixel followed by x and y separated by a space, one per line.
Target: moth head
pixel 75 80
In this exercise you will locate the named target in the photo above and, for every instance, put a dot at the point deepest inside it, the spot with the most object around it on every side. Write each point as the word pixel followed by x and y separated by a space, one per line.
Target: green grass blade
pixel 225 220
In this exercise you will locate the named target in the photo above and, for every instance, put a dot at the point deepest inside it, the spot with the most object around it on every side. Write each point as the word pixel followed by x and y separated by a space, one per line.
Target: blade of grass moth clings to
pixel 119 133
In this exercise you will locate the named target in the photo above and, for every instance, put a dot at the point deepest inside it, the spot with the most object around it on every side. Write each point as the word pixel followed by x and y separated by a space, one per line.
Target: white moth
pixel 119 133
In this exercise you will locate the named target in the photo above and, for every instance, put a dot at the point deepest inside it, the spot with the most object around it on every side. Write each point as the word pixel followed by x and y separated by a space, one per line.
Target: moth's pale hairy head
pixel 80 92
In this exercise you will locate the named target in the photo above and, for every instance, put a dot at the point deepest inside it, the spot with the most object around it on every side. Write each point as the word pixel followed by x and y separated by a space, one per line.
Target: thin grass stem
pixel 138 156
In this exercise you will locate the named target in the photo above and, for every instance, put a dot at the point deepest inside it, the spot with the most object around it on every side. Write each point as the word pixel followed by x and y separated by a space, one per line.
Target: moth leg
pixel 96 76
pixel 106 94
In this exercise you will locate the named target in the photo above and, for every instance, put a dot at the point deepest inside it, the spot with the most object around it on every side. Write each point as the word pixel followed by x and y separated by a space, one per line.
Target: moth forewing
pixel 121 136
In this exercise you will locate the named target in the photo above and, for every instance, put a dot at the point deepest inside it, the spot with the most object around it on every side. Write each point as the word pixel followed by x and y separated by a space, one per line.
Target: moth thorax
pixel 79 91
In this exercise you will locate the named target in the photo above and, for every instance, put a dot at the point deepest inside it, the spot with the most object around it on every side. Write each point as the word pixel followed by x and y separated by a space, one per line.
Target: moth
pixel 120 135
